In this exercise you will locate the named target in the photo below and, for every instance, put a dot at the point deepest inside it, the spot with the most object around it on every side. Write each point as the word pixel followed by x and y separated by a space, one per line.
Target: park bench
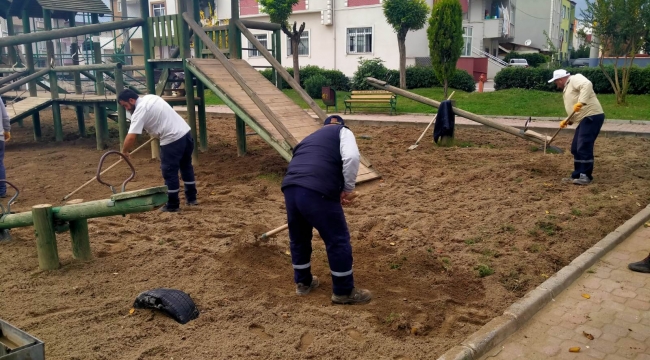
pixel 363 98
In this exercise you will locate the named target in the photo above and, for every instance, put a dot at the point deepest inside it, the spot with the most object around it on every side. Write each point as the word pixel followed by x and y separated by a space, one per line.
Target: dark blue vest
pixel 317 163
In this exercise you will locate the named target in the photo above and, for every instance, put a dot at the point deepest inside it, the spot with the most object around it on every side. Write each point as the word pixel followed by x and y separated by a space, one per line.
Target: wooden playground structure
pixel 208 56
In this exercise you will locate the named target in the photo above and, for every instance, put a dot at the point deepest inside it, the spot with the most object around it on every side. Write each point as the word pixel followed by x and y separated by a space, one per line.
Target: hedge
pixel 335 78
pixel 416 77
pixel 537 79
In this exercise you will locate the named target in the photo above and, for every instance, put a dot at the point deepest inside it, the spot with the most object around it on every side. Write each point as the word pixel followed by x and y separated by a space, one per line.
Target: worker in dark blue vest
pixel 320 179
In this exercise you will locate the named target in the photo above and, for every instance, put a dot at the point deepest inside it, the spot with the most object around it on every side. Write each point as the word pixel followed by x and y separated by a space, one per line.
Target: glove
pixel 577 107
pixel 564 123
pixel 7 136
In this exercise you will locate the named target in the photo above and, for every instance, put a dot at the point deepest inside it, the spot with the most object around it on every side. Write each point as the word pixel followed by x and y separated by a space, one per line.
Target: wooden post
pixel 189 82
pixel 146 41
pixel 240 128
pixel 101 119
pixel 121 111
pixel 277 37
pixel 48 255
pixel 200 88
pixel 80 240
pixel 234 43
pixel 54 86
pixel 29 60
pixel 74 47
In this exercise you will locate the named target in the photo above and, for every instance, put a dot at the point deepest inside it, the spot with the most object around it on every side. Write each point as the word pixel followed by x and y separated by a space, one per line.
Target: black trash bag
pixel 445 122
pixel 174 303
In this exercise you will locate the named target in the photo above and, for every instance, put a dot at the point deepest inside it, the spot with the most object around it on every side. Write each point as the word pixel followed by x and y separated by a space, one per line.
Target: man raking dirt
pixel 153 114
pixel 579 98
pixel 320 178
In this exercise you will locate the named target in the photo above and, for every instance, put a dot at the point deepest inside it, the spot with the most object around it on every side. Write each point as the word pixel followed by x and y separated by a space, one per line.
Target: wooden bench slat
pixel 367 101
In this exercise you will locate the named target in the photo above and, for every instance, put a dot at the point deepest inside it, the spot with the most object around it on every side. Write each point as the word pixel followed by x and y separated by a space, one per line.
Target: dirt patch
pixel 446 241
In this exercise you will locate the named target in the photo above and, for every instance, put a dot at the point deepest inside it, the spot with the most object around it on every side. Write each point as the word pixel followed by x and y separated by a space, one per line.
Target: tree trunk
pixel 401 43
pixel 446 82
pixel 295 40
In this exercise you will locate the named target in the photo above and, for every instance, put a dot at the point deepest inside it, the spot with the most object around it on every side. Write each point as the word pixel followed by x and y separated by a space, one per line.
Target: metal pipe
pixel 258 25
pixel 24 81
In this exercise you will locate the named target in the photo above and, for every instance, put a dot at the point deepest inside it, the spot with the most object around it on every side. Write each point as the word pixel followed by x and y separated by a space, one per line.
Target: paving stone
pixel 642 357
pixel 614 357
pixel 639 305
pixel 561 332
pixel 612 305
pixel 576 318
pixel 593 329
pixel 624 293
pixel 605 346
pixel 609 285
pixel 629 317
pixel 629 347
pixel 619 255
pixel 640 328
pixel 591 283
pixel 595 354
pixel 586 307
pixel 616 330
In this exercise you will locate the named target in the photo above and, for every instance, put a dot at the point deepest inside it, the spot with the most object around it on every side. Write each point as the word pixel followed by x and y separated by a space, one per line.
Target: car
pixel 582 62
pixel 518 63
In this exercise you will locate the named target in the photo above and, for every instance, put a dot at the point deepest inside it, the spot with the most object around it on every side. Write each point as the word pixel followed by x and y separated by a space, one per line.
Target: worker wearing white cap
pixel 579 97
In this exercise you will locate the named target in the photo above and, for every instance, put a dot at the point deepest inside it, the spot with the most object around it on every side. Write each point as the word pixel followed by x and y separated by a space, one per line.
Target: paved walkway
pixel 620 127
pixel 616 314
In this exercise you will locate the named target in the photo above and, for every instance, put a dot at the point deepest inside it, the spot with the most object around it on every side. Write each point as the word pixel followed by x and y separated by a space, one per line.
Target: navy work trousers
pixel 3 175
pixel 174 157
pixel 582 146
pixel 308 209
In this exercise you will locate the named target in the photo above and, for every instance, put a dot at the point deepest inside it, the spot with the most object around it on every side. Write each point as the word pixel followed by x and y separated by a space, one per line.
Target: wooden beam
pixel 259 25
pixel 30 38
pixel 24 81
pixel 283 148
pixel 468 115
pixel 12 77
pixel 80 240
pixel 231 69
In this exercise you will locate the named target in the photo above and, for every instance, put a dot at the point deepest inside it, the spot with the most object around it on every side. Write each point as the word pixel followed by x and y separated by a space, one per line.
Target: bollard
pixel 48 255
pixel 481 81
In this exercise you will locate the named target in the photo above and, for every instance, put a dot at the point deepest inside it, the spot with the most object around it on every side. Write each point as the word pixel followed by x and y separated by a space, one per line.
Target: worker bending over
pixel 579 98
pixel 154 115
pixel 320 177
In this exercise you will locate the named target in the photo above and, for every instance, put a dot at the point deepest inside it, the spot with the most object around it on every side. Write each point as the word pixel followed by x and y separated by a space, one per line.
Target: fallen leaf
pixel 548 212
pixel 647 224
pixel 131 311
pixel 586 296
pixel 588 335
pixel 574 349
pixel 392 244
pixel 545 276
pixel 637 204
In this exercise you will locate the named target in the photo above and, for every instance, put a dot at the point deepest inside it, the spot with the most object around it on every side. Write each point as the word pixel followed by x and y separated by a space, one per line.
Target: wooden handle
pixel 275 231
pixel 558 130
pixel 103 172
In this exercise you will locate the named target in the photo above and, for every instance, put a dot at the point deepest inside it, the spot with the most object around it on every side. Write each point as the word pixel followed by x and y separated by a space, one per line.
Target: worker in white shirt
pixel 6 126
pixel 579 97
pixel 154 115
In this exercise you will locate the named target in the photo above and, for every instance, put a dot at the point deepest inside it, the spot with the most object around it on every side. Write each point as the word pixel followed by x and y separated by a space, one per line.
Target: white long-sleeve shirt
pixel 6 124
pixel 351 159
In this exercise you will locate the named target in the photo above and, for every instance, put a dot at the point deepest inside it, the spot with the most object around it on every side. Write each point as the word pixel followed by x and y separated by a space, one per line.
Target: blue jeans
pixel 174 157
pixel 582 146
pixel 308 209
pixel 3 174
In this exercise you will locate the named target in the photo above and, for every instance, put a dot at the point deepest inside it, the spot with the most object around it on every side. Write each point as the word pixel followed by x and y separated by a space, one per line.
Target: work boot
pixel 192 203
pixel 167 208
pixel 357 296
pixel 582 180
pixel 567 180
pixel 305 289
pixel 640 266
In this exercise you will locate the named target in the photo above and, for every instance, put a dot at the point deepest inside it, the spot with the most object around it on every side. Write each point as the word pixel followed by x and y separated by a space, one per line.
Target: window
pixel 303 46
pixel 119 5
pixel 564 12
pixel 263 40
pixel 158 9
pixel 359 40
pixel 467 38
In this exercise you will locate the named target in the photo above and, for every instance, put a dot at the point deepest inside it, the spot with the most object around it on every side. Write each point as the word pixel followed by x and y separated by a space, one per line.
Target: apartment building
pixel 538 16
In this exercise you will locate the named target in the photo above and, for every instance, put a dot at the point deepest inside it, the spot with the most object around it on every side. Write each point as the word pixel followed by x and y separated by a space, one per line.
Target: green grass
pixel 512 102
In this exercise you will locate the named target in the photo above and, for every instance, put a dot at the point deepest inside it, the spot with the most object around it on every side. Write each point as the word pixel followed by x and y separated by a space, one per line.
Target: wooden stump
pixel 80 240
pixel 48 255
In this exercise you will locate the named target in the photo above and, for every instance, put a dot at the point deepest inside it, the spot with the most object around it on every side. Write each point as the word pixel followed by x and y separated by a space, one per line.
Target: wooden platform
pixel 25 107
pixel 299 123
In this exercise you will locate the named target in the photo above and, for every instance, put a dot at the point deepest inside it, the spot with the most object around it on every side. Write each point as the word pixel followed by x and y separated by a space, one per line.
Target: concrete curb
pixel 514 317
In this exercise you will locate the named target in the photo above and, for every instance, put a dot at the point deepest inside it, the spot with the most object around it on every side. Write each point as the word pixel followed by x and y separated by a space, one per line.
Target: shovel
pixel 414 146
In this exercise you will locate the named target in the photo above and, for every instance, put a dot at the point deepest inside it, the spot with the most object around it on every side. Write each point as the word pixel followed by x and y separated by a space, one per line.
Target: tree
pixel 279 12
pixel 405 16
pixel 445 35
pixel 621 29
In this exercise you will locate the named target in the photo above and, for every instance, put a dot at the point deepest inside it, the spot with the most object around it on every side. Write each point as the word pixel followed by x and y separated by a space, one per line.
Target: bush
pixel 537 79
pixel 462 80
pixel 534 60
pixel 336 78
pixel 314 85
pixel 370 68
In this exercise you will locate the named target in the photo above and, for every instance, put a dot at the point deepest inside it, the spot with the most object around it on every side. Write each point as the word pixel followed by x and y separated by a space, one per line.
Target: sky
pixel 580 5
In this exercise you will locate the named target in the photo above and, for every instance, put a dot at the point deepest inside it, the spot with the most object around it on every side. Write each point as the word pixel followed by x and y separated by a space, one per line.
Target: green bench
pixel 385 99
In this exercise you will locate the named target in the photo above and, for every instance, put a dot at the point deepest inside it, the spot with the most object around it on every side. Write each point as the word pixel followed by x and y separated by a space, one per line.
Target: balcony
pixel 494 29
